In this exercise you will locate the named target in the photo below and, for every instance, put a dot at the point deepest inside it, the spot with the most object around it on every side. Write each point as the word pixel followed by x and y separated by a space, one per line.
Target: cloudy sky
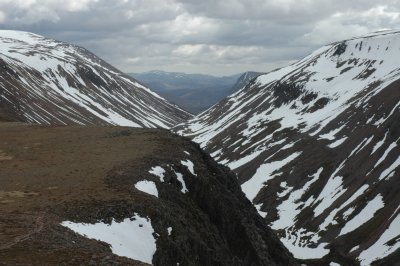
pixel 200 36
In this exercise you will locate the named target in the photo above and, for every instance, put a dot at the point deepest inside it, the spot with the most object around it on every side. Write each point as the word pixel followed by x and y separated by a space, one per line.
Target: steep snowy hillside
pixel 48 82
pixel 316 148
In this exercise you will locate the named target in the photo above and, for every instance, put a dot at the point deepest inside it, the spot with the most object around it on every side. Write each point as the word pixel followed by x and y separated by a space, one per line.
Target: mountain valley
pixel 193 92
pixel 300 165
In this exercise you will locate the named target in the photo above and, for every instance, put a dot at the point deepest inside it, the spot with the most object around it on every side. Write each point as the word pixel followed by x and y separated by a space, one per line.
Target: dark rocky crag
pixel 87 175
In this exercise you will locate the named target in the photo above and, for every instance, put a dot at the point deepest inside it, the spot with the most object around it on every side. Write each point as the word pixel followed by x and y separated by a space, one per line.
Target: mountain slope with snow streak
pixel 316 147
pixel 49 82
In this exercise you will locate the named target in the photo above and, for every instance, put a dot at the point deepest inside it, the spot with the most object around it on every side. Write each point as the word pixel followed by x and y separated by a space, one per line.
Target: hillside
pixel 193 92
pixel 149 196
pixel 49 82
pixel 315 146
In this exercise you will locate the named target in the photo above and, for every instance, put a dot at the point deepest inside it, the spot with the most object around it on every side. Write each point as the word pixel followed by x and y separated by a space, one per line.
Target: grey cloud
pixel 208 36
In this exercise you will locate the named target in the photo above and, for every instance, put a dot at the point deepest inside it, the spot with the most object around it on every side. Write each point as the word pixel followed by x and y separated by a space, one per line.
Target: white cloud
pixel 133 60
pixel 188 50
pixel 76 5
pixel 17 3
pixel 2 17
pixel 351 23
pixel 28 12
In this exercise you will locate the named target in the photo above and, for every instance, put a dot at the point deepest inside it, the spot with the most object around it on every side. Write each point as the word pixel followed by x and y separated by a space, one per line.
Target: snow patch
pixel 364 216
pixel 381 248
pixel 391 147
pixel 337 143
pixel 333 190
pixel 330 219
pixel 299 250
pixel 379 143
pixel 389 172
pixel 290 208
pixel 331 134
pixel 264 173
pixel 158 171
pixel 260 212
pixel 169 229
pixel 132 238
pixel 354 248
pixel 179 177
pixel 148 187
pixel 190 166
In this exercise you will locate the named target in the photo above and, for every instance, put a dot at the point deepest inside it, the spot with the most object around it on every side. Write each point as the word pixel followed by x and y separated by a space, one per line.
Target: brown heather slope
pixel 87 174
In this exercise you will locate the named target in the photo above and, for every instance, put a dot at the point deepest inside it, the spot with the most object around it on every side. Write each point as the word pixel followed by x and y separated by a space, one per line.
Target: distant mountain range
pixel 316 147
pixel 49 82
pixel 193 92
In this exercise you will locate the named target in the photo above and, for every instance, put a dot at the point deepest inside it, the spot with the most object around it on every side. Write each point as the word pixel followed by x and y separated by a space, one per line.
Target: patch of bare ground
pixel 4 156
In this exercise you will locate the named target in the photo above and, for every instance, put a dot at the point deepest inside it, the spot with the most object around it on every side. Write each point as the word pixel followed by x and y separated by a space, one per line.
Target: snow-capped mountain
pixel 315 146
pixel 49 82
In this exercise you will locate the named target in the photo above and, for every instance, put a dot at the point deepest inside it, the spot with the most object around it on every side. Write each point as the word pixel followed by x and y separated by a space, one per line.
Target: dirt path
pixel 39 224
